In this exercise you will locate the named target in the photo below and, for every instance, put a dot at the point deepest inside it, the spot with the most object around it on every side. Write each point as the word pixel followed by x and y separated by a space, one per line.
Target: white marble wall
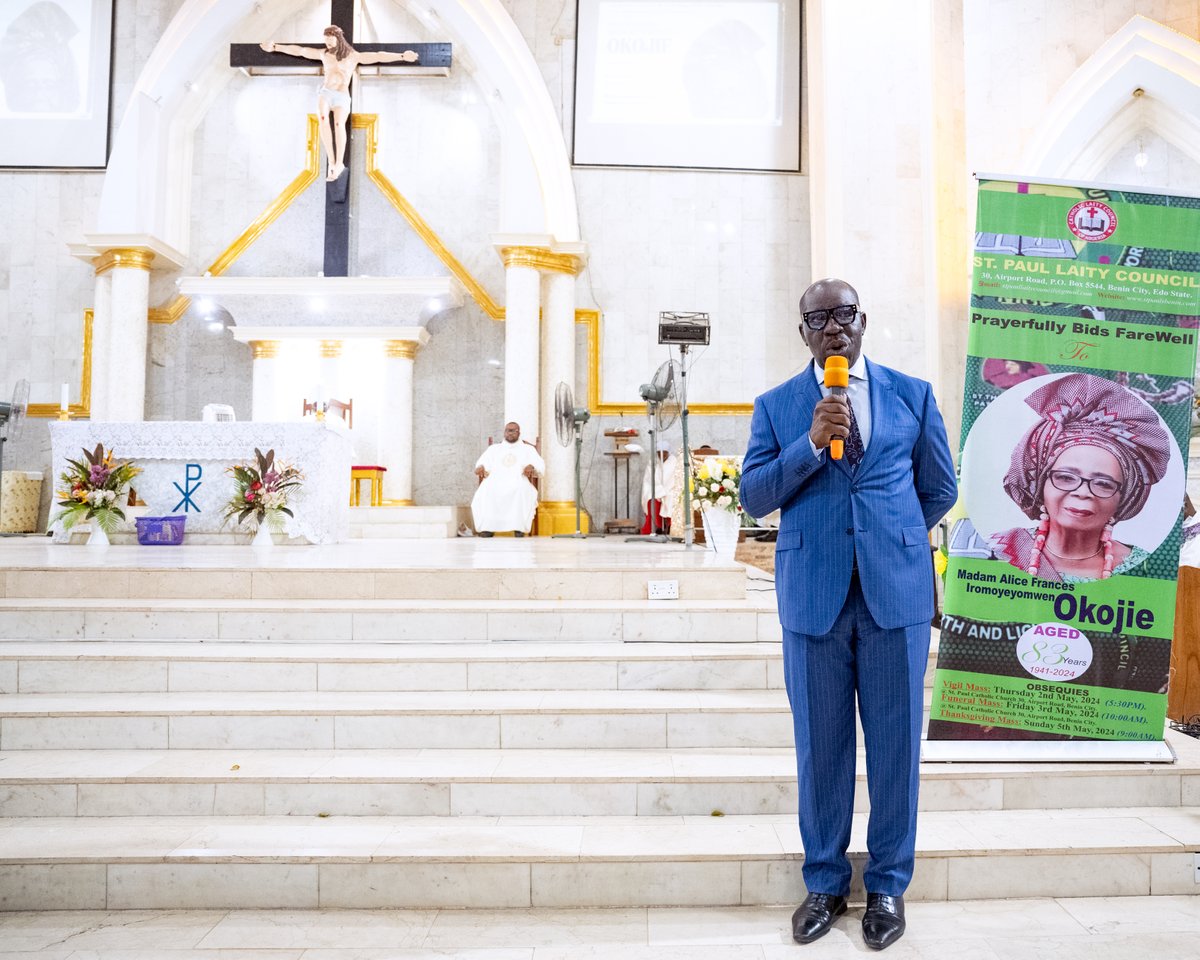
pixel 736 245
pixel 1019 53
pixel 43 290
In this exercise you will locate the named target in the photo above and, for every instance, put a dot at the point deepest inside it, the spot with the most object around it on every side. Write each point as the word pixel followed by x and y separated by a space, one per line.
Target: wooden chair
pixel 344 410
pixel 336 407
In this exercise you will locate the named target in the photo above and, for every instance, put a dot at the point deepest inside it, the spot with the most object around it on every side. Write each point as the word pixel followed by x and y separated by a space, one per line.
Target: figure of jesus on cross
pixel 339 65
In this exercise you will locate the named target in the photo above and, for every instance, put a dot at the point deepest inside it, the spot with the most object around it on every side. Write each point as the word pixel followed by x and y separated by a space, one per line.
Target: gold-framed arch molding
pixel 174 309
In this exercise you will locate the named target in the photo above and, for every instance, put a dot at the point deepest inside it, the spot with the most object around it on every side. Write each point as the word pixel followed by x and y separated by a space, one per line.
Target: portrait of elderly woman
pixel 1086 465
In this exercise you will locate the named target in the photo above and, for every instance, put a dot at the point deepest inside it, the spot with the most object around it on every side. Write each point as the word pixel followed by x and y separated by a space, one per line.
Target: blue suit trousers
pixel 824 674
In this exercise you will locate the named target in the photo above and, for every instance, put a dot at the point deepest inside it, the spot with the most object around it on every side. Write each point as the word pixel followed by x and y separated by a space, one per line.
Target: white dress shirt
pixel 859 395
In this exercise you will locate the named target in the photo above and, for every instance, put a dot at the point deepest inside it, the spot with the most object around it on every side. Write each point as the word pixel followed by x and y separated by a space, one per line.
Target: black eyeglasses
pixel 1101 487
pixel 844 315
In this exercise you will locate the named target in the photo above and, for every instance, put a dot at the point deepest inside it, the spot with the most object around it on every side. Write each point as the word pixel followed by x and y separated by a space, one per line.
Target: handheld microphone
pixel 837 379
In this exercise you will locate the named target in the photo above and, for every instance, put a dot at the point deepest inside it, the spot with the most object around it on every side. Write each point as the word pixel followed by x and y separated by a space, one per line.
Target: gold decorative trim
pixel 400 349
pixel 330 349
pixel 83 409
pixel 264 349
pixel 171 311
pixel 558 516
pixel 175 308
pixel 135 257
pixel 591 319
pixel 541 259
pixel 400 503
pixel 368 122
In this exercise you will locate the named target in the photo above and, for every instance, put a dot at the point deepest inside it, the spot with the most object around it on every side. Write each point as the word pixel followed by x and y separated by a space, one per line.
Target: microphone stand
pixel 689 526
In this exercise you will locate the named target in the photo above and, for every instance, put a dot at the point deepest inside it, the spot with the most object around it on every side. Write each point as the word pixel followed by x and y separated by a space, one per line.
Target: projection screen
pixel 688 83
pixel 55 61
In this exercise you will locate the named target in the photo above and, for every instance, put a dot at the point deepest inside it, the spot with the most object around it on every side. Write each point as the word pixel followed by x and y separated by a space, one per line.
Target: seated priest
pixel 506 498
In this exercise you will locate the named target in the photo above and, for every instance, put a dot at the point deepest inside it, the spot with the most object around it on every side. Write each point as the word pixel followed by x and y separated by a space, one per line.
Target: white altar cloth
pixel 184 467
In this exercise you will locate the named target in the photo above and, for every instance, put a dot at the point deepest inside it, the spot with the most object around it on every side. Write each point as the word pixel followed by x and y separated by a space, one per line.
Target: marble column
pixel 330 352
pixel 556 511
pixel 522 296
pixel 101 340
pixel 265 401
pixel 122 382
pixel 396 433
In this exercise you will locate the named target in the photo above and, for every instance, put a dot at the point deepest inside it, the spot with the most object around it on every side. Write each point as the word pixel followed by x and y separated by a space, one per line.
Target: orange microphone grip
pixel 837 378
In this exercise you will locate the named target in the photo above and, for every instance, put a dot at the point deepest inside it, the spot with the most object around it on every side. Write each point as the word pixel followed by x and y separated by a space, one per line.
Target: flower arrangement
pixel 262 490
pixel 93 489
pixel 716 484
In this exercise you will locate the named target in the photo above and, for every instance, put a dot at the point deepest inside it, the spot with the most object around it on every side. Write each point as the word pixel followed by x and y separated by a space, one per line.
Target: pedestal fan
pixel 663 408
pixel 568 421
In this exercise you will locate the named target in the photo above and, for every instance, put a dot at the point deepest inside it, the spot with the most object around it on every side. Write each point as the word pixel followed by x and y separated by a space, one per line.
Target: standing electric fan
pixel 663 409
pixel 568 421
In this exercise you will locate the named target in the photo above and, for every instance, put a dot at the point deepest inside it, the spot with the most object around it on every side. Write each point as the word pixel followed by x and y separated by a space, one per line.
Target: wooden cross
pixel 433 59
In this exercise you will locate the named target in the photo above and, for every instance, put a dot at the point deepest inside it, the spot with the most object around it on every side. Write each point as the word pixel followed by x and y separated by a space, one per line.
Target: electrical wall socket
pixel 1196 865
pixel 662 589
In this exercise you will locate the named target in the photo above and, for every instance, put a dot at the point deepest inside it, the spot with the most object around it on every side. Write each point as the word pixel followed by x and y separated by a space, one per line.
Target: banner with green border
pixel 1064 548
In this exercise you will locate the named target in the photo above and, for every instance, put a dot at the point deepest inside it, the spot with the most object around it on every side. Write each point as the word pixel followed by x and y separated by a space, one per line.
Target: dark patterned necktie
pixel 854 443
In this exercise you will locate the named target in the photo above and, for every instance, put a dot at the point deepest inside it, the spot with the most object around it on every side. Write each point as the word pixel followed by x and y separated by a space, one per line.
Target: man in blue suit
pixel 855 586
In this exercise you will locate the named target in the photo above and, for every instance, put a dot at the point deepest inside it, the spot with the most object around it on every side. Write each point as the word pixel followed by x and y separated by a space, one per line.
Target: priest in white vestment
pixel 663 506
pixel 506 498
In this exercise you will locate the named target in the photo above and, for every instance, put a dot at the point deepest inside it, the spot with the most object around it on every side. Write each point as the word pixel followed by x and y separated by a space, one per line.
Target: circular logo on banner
pixel 1054 651
pixel 1092 220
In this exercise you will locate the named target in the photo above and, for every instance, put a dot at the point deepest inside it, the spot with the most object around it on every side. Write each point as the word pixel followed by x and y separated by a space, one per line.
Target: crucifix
pixel 339 63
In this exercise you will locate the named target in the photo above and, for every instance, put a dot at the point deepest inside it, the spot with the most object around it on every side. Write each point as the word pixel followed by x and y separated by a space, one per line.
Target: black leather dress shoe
pixel 815 916
pixel 883 923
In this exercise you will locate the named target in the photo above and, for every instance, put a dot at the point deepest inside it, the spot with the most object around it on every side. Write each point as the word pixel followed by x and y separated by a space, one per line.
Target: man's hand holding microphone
pixel 831 415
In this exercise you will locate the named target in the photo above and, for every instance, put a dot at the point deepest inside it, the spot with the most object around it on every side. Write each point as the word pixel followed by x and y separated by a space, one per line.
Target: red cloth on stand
pixel 664 523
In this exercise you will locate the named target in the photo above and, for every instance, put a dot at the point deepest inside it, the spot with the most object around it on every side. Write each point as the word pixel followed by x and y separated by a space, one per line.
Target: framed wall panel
pixel 688 83
pixel 55 81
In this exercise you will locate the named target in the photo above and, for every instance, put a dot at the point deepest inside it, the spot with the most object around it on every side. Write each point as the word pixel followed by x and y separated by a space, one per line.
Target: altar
pixel 184 468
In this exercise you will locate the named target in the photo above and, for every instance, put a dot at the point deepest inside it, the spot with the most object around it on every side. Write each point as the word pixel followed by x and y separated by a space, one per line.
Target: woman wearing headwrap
pixel 1008 373
pixel 1087 464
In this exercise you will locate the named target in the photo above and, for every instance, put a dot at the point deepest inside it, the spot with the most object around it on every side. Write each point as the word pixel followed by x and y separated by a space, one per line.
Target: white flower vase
pixel 263 539
pixel 721 528
pixel 97 539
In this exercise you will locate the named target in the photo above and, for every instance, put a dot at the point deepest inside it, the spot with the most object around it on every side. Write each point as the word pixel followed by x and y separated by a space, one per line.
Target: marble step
pixel 369 570
pixel 1084 928
pixel 403 531
pixel 407 523
pixel 150 666
pixel 320 620
pixel 399 516
pixel 656 783
pixel 519 862
pixel 602 719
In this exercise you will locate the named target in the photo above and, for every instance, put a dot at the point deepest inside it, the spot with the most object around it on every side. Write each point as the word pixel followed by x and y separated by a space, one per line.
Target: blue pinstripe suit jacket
pixel 881 512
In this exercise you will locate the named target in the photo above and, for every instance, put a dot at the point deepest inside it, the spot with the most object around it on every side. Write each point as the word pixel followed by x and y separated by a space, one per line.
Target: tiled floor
pixel 1127 928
